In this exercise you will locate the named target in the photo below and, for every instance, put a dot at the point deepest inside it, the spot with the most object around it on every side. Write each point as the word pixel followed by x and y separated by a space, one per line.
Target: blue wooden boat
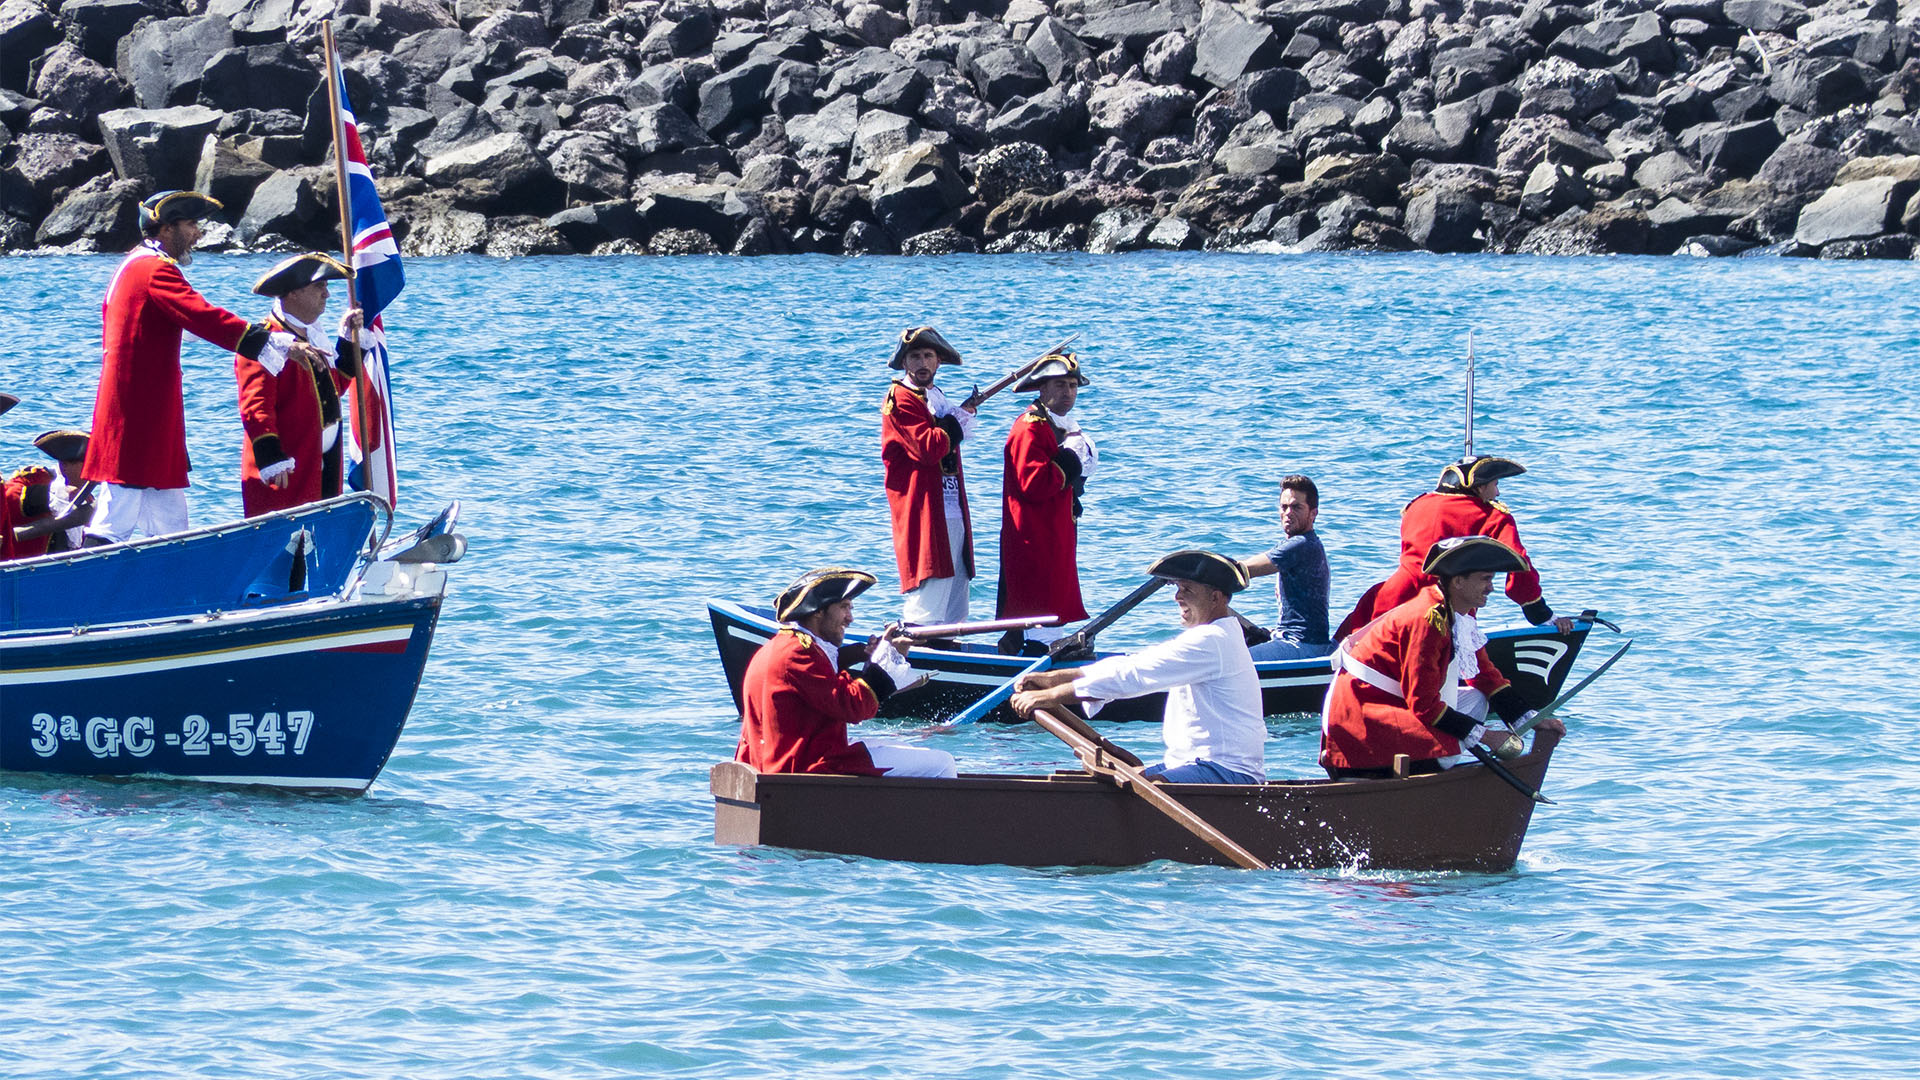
pixel 282 651
pixel 1536 658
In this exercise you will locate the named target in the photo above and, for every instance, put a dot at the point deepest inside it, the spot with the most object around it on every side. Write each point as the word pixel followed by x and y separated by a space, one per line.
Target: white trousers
pixel 119 512
pixel 910 760
pixel 941 600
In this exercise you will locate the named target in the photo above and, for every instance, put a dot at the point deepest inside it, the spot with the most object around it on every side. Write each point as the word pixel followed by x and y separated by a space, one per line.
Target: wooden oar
pixel 1082 637
pixel 979 397
pixel 1100 758
pixel 968 629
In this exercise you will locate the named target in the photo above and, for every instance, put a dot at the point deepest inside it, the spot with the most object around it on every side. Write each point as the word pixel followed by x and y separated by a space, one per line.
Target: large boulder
pixel 1136 112
pixel 590 164
pixel 1056 48
pixel 98 25
pixel 1006 72
pixel 460 126
pixel 1444 220
pixel 1559 86
pixel 739 95
pixel 287 203
pixel 46 164
pixel 1820 85
pixel 258 77
pixel 587 227
pixel 73 84
pixel 1738 149
pixel 506 160
pixel 712 210
pixel 1049 119
pixel 915 189
pixel 158 146
pixel 1133 26
pixel 1765 16
pixel 1122 228
pixel 1642 38
pixel 1798 166
pixel 1463 72
pixel 827 134
pixel 102 211
pixel 1604 230
pixel 404 17
pixel 1229 46
pixel 26 30
pixel 259 22
pixel 163 59
pixel 880 135
pixel 1855 211
pixel 660 129
pixel 227 174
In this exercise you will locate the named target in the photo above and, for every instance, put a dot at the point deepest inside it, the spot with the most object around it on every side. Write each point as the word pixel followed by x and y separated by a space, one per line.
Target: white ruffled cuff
pixel 276 470
pixel 888 659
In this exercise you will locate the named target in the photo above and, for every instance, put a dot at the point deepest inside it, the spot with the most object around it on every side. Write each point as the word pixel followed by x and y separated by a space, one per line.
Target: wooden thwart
pixel 1110 762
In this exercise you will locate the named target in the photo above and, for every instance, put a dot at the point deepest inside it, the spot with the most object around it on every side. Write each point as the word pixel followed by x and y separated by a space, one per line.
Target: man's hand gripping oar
pixel 1513 744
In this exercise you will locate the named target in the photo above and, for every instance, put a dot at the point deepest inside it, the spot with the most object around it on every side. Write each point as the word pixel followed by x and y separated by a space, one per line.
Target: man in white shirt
pixel 1214 726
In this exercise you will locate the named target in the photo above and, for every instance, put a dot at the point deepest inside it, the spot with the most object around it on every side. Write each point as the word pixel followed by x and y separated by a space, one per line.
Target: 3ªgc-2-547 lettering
pixel 195 735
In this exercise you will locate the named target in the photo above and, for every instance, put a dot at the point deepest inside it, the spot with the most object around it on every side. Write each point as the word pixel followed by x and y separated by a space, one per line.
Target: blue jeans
pixel 1200 772
pixel 1278 649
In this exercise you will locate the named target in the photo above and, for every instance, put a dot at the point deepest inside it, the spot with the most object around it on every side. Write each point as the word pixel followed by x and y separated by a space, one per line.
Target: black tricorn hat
pixel 164 206
pixel 817 589
pixel 1204 567
pixel 1467 554
pixel 1468 473
pixel 63 444
pixel 7 401
pixel 298 272
pixel 1060 365
pixel 922 337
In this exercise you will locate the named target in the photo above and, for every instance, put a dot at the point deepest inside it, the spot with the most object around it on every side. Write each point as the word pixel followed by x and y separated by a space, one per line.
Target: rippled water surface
pixel 1721 455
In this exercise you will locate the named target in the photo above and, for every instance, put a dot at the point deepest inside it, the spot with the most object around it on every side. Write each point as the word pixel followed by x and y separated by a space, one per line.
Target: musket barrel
pixel 995 626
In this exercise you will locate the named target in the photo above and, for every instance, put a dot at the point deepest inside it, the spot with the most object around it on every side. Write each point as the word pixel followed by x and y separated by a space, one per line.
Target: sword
pixel 1493 763
pixel 1512 744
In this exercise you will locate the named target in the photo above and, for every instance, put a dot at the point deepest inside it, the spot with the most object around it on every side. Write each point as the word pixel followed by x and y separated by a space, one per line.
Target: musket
pixel 1469 453
pixel 979 396
pixel 962 629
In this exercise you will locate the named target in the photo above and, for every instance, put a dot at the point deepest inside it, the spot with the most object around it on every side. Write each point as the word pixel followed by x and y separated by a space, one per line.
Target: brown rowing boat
pixel 1462 819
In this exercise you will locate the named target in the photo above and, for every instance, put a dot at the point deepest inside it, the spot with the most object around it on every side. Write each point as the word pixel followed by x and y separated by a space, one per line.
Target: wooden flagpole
pixel 363 409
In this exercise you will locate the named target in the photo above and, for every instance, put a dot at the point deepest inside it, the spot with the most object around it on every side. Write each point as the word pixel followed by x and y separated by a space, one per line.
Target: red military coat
pixel 139 420
pixel 913 447
pixel 1038 538
pixel 283 416
pixel 1427 520
pixel 21 505
pixel 1364 726
pixel 796 708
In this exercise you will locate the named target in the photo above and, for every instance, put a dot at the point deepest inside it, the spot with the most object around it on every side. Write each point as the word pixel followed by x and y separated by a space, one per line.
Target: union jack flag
pixel 377 280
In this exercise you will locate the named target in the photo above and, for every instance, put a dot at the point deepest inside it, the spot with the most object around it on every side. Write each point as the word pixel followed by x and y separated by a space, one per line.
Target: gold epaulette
pixel 30 470
pixel 1437 617
pixel 805 639
pixel 1500 506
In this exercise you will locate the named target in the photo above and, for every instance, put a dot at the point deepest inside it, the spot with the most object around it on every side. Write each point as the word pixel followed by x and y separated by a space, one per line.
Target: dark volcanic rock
pixel 1444 220
pixel 98 25
pixel 75 85
pixel 1820 85
pixel 1019 166
pixel 45 164
pixel 1855 211
pixel 160 147
pixel 227 174
pixel 914 189
pixel 26 30
pixel 1801 166
pixel 1228 46
pixel 258 77
pixel 103 211
pixel 287 203
pixel 1006 72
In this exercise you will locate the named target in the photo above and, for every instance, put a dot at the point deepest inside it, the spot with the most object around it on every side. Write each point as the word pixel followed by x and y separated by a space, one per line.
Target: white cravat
pixel 1077 441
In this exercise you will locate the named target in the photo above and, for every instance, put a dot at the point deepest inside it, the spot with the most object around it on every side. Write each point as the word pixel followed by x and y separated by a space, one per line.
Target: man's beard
pixel 185 258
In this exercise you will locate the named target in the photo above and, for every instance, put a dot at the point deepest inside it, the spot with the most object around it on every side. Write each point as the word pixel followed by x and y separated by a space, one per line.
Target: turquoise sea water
pixel 1722 458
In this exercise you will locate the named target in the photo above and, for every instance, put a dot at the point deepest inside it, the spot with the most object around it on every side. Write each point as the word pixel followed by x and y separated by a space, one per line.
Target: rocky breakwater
pixel 516 127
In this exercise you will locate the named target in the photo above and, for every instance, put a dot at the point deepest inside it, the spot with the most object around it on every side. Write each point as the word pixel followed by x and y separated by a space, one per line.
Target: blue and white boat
pixel 283 651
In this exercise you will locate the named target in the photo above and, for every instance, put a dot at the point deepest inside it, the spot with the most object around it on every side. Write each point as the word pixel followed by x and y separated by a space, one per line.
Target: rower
pixel 1418 681
pixel 920 434
pixel 1464 503
pixel 1214 728
pixel 1048 461
pixel 289 409
pixel 139 450
pixel 69 500
pixel 1300 561
pixel 797 703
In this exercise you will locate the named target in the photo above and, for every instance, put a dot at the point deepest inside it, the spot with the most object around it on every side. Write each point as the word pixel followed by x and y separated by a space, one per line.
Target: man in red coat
pixel 1418 681
pixel 138 452
pixel 1465 503
pixel 42 510
pixel 1048 462
pixel 920 434
pixel 797 702
pixel 291 410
